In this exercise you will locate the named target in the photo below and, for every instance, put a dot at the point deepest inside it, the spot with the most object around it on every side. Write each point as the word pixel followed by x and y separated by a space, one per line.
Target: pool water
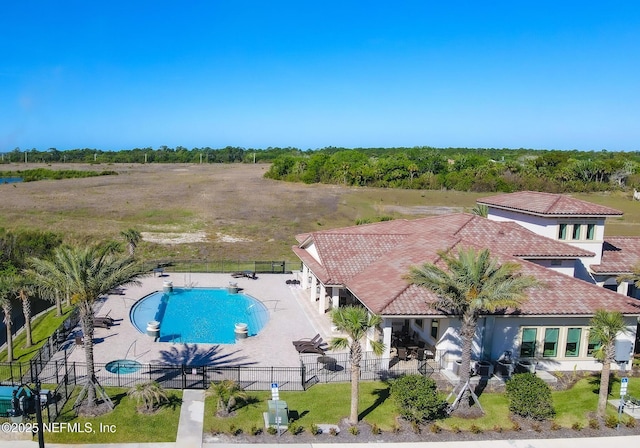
pixel 199 315
pixel 123 366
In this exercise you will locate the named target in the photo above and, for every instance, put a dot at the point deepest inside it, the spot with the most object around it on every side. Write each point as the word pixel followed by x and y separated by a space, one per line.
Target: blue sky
pixel 507 74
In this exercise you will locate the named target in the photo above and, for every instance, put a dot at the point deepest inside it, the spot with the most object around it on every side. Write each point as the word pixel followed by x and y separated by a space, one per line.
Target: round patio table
pixel 328 362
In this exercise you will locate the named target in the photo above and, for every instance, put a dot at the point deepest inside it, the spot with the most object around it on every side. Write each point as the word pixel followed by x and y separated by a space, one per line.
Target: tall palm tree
pixel 132 237
pixel 605 327
pixel 473 284
pixel 24 289
pixel 88 273
pixel 355 321
pixel 6 292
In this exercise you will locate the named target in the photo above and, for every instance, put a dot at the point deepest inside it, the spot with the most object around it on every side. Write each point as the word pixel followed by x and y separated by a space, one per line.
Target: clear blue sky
pixel 122 74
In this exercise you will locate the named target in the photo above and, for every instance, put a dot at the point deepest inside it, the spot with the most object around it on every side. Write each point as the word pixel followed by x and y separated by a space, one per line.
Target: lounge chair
pixel 317 339
pixel 402 354
pixel 101 323
pixel 250 274
pixel 319 348
pixel 107 319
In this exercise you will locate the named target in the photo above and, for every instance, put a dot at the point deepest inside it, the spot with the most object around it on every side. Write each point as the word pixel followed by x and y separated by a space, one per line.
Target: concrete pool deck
pixel 291 317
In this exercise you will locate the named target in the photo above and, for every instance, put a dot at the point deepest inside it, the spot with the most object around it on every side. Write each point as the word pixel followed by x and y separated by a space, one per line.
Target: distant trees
pixel 421 167
pixel 461 169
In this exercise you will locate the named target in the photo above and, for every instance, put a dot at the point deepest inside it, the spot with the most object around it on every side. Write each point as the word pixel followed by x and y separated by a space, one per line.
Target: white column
pixel 314 284
pixel 322 303
pixel 305 277
pixel 623 288
pixel 335 297
pixel 386 340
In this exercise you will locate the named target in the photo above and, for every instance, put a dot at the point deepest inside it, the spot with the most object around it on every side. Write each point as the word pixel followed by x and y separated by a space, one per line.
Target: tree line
pixel 462 169
pixel 487 170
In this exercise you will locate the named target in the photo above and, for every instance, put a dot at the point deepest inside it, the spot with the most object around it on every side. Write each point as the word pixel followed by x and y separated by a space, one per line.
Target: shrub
pixel 333 431
pixel 271 430
pixel 255 430
pixel 353 429
pixel 529 396
pixel 497 428
pixel 577 426
pixel 630 422
pixel 515 426
pixel 435 429
pixel 314 430
pixel 611 421
pixel 375 429
pixel 455 429
pixel 415 426
pixel 417 398
pixel 594 424
pixel 395 428
pixel 475 429
pixel 555 426
pixel 296 429
pixel 536 427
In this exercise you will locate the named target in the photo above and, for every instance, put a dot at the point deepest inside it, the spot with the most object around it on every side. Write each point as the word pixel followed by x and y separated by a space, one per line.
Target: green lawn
pixel 123 424
pixel 41 328
pixel 329 403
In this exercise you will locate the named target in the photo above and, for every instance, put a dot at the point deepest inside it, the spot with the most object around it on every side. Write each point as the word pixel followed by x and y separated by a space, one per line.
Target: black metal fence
pixel 225 266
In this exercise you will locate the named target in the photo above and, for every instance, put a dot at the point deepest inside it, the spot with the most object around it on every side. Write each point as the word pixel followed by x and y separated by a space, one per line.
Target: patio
pixel 272 347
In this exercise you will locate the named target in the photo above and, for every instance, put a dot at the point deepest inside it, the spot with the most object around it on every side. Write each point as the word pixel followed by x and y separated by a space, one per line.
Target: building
pixel 557 239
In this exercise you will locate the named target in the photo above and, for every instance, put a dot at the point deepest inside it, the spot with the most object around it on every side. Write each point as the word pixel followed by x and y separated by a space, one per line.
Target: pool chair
pixel 100 323
pixel 107 319
pixel 317 339
pixel 319 348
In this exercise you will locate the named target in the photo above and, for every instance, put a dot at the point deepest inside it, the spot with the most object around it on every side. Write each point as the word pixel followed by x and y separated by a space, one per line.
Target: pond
pixel 10 180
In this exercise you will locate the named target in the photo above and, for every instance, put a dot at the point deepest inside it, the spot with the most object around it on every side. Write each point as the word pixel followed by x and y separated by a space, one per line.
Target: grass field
pixel 223 211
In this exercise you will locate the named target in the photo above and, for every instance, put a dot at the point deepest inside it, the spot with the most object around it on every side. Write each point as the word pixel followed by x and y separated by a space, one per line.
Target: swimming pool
pixel 199 315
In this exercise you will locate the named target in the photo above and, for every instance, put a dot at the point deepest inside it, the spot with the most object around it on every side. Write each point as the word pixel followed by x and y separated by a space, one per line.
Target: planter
pixel 504 369
pixel 484 368
pixel 241 331
pixel 153 328
pixel 525 366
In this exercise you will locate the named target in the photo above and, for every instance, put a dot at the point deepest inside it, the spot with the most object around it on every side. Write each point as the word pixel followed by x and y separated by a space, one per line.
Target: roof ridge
pixel 558 198
pixel 470 217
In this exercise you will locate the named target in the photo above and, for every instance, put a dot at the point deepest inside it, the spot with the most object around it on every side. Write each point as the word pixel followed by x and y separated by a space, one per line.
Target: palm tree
pixel 605 327
pixel 355 321
pixel 148 395
pixel 6 291
pixel 24 289
pixel 87 273
pixel 132 237
pixel 473 284
pixel 480 210
pixel 226 392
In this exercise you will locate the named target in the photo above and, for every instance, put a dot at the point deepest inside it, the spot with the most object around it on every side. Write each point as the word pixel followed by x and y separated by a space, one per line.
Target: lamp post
pixel 36 392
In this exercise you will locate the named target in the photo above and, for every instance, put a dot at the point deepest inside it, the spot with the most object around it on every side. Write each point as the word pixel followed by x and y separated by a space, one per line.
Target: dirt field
pixel 206 211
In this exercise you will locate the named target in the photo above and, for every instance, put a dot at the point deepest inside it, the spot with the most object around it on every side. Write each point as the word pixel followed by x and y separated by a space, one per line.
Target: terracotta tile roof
pixel 619 255
pixel 547 204
pixel 561 295
pixel 373 260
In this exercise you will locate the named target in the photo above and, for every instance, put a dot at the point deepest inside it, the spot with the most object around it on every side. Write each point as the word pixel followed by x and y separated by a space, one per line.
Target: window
pixel 572 348
pixel 528 345
pixel 591 231
pixel 576 232
pixel 434 328
pixel 550 348
pixel 592 346
pixel 419 323
pixel 562 232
